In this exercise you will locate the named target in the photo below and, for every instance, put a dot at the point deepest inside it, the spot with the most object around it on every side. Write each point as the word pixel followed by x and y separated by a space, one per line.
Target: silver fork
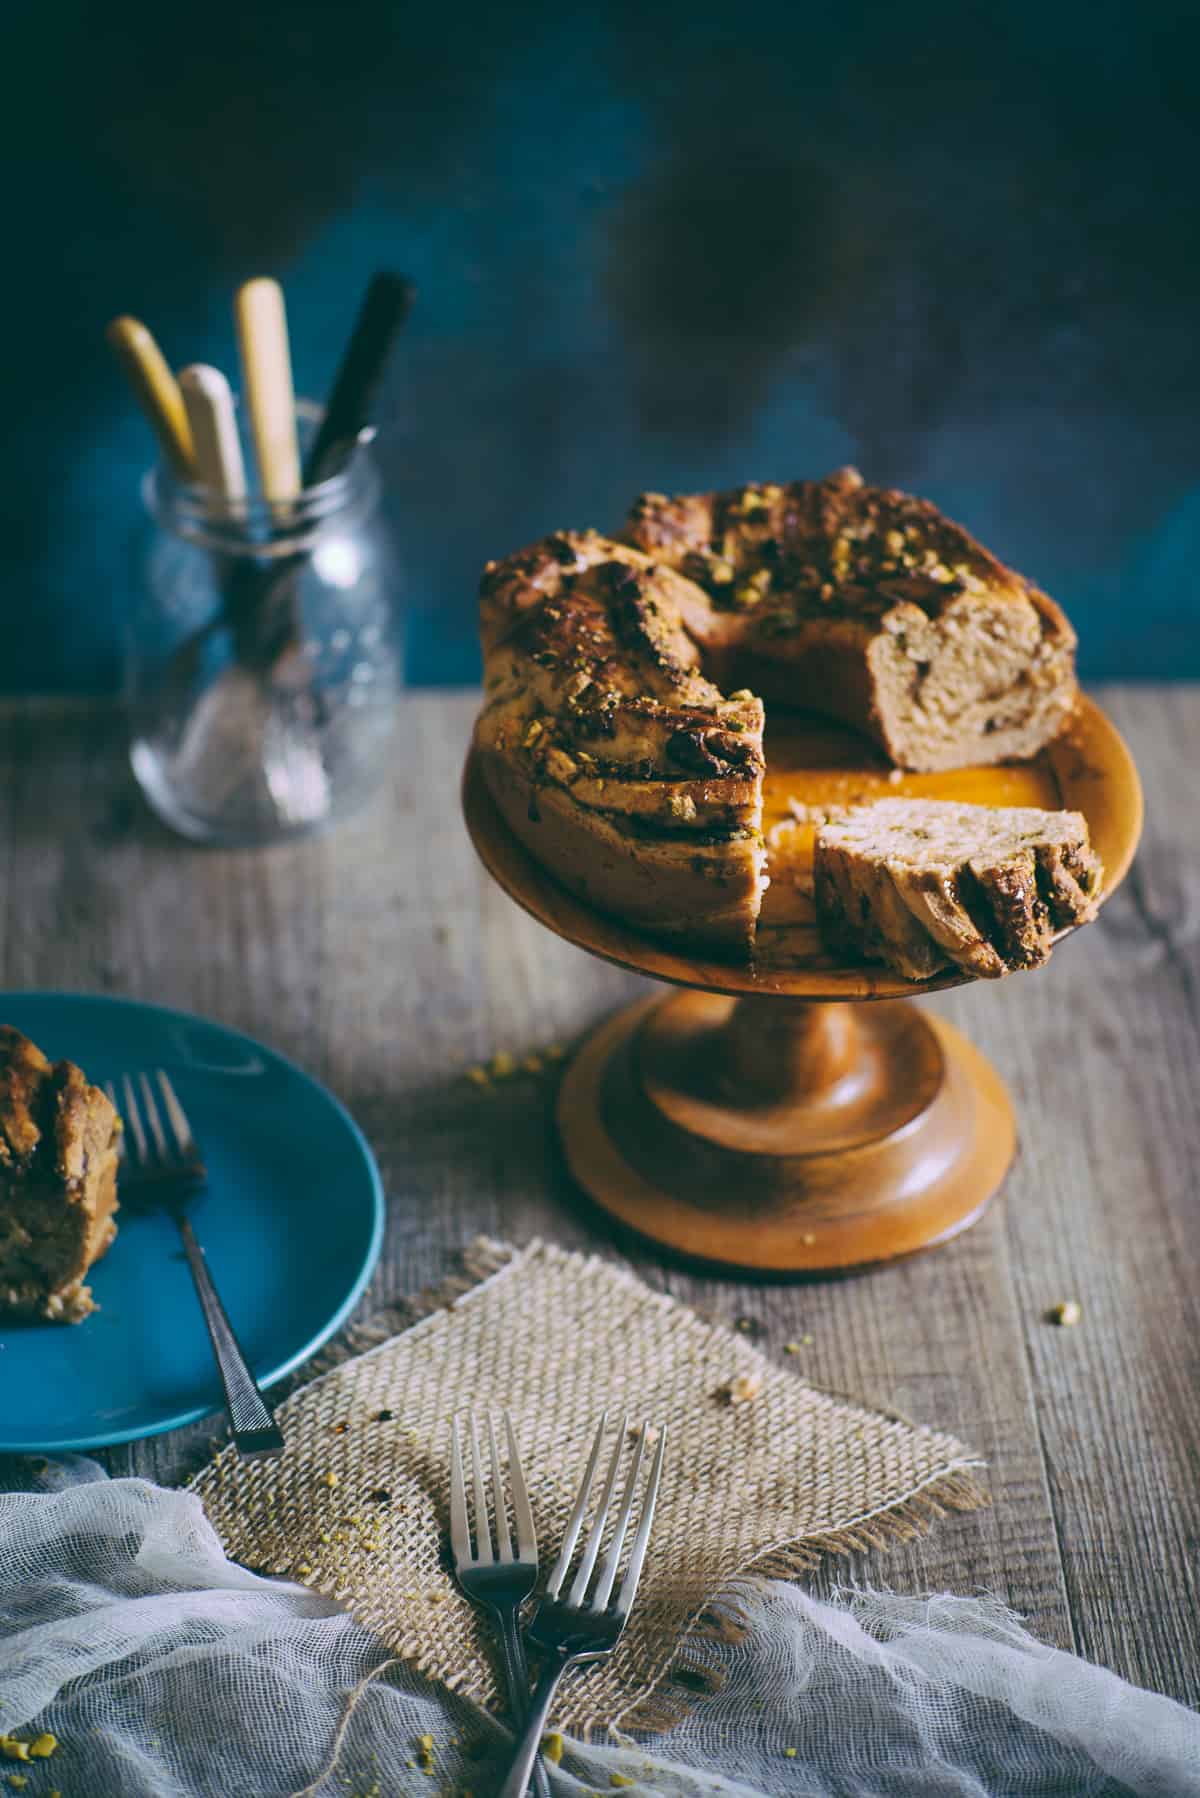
pixel 167 1170
pixel 577 1629
pixel 499 1577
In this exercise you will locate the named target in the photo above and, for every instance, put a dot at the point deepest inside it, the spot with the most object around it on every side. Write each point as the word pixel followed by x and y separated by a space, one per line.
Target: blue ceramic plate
pixel 292 1222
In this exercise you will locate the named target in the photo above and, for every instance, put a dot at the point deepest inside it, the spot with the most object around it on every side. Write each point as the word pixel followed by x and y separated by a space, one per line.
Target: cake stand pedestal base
pixel 783 1135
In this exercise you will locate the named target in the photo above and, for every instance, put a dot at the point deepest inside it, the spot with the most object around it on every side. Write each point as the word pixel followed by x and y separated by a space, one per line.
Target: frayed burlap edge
pixel 720 1622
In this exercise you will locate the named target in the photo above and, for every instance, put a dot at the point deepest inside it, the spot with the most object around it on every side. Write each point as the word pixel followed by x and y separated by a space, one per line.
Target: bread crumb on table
pixel 504 1065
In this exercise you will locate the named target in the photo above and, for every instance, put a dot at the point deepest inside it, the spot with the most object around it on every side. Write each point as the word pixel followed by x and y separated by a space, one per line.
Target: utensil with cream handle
pixel 208 401
pixel 262 333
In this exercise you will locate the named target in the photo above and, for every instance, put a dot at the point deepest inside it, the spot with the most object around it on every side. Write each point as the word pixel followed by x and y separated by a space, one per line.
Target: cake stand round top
pixel 813 764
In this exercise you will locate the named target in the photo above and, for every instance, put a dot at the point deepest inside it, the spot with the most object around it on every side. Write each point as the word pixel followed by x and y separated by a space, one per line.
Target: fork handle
pixel 516 1677
pixel 255 1432
pixel 535 1726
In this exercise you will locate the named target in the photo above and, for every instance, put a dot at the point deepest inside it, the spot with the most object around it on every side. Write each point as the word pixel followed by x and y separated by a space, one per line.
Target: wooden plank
pixel 386 961
pixel 1103 1061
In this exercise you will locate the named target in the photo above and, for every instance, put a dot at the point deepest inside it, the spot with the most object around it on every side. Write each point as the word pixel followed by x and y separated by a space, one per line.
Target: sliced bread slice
pixel 923 884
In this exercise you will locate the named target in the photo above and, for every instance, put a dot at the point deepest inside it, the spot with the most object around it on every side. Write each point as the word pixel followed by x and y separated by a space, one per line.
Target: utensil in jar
pixel 385 306
pixel 208 401
pixel 156 391
pixel 261 319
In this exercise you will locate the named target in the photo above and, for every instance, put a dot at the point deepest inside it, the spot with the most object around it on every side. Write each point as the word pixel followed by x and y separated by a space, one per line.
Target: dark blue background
pixel 660 246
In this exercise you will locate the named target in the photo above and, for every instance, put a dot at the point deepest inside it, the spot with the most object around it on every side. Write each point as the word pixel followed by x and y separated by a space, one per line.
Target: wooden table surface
pixel 383 959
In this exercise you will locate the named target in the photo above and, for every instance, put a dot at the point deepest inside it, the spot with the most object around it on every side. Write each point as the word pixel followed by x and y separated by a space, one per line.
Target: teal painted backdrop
pixel 662 246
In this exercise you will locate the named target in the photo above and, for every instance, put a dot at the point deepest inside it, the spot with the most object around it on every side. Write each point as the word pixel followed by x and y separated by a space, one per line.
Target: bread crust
pixel 613 757
pixel 868 604
pixel 678 888
pixel 622 727
pixel 926 884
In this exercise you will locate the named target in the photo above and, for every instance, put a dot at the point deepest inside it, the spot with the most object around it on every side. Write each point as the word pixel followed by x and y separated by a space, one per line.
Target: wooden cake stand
pixel 764 1117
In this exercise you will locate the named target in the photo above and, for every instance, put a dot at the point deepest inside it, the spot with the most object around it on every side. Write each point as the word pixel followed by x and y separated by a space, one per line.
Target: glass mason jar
pixel 264 667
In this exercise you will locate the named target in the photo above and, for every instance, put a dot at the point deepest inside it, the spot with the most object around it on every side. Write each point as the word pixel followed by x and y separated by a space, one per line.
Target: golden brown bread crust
pixel 926 884
pixel 621 766
pixel 868 604
pixel 620 733
pixel 58 1168
pixel 680 889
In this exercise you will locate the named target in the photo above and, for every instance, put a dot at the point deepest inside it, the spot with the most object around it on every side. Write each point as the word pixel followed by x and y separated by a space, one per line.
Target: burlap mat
pixel 357 1507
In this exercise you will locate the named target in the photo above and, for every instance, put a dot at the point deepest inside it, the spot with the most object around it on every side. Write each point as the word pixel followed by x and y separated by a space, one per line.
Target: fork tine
pixel 559 1572
pixel 152 1117
pixel 576 1594
pixel 133 1117
pixel 483 1534
pixel 522 1515
pixel 633 1572
pixel 608 1568
pixel 185 1142
pixel 503 1539
pixel 460 1533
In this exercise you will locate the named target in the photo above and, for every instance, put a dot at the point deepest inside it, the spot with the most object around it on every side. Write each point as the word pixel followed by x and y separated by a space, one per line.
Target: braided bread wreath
pixel 621 732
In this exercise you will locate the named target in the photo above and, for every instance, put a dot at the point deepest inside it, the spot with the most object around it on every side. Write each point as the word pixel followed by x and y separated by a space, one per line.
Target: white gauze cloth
pixel 164 1669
